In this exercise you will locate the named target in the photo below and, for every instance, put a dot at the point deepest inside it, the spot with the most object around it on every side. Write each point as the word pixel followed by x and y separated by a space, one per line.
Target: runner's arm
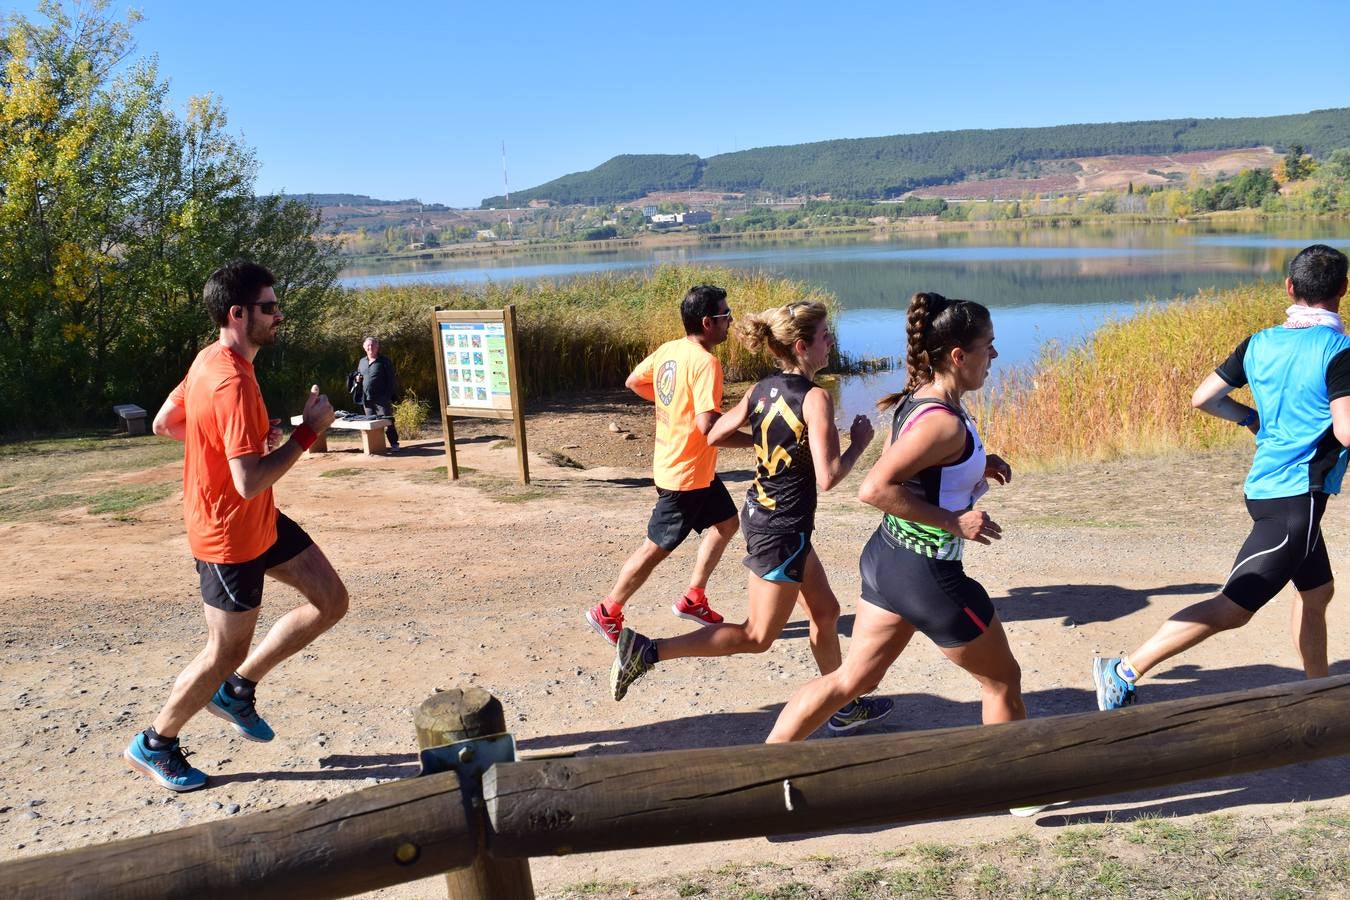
pixel 721 429
pixel 254 473
pixel 1340 420
pixel 639 381
pixel 705 421
pixel 171 420
pixel 932 441
pixel 832 466
pixel 1212 397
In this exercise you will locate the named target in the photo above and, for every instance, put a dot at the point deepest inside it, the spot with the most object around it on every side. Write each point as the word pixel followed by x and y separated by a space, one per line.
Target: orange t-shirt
pixel 687 381
pixel 226 419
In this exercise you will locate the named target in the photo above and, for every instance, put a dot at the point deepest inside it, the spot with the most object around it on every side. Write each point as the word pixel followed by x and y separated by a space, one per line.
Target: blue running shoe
pixel 1113 692
pixel 858 713
pixel 240 714
pixel 168 767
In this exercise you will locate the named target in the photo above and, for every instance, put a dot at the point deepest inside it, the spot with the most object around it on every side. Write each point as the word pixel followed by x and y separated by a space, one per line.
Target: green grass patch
pixel 44 476
pixel 1247 858
pixel 125 499
pixel 349 471
pixel 53 461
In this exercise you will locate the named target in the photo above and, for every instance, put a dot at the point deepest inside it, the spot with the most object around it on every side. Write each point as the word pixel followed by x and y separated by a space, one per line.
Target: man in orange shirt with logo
pixel 234 529
pixel 684 380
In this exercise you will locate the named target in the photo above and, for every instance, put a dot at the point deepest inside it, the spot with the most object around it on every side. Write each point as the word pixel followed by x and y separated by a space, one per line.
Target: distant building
pixel 417 245
pixel 485 234
pixel 697 217
pixel 649 210
pixel 665 218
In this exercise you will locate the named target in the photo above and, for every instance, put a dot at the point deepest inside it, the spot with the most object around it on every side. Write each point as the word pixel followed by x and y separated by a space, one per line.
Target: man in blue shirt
pixel 1299 374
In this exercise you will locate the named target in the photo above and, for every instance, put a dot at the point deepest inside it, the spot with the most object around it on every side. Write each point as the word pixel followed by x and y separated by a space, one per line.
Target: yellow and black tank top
pixel 783 497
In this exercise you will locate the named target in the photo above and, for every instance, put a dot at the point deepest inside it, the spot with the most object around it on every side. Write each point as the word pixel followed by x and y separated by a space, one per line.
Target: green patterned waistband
pixel 926 540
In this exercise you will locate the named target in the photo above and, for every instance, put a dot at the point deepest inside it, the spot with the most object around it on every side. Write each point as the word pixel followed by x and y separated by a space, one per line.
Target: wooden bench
pixel 372 433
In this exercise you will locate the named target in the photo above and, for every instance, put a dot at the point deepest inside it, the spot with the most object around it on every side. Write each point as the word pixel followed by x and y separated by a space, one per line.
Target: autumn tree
pixel 113 211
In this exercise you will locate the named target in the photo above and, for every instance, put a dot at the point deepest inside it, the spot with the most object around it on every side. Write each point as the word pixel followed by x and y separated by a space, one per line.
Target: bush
pixel 410 416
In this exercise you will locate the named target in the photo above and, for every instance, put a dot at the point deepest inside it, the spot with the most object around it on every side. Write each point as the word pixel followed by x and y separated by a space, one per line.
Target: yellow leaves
pixel 75 332
pixel 77 271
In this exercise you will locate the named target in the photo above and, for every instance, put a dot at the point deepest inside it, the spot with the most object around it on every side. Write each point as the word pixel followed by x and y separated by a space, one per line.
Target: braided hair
pixel 935 325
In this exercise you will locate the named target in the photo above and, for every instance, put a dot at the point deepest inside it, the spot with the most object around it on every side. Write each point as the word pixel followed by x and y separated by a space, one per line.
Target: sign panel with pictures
pixel 476 373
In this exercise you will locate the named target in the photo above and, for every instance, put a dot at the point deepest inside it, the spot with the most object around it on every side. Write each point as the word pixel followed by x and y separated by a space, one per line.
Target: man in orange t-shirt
pixel 234 530
pixel 684 380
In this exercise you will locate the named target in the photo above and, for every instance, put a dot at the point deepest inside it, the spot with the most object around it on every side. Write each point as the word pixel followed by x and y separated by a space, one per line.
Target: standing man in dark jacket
pixel 375 374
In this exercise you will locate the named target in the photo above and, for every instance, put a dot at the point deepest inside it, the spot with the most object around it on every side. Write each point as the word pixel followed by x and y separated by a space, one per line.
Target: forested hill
pixel 888 166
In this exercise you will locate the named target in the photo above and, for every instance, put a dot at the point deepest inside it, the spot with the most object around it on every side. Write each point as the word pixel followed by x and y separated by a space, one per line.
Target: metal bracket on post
pixel 469 759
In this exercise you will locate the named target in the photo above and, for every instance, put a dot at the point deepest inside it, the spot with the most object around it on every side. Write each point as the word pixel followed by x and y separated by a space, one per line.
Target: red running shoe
pixel 696 611
pixel 608 626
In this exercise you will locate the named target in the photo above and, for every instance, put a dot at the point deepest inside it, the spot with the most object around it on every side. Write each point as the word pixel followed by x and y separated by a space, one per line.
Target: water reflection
pixel 1042 283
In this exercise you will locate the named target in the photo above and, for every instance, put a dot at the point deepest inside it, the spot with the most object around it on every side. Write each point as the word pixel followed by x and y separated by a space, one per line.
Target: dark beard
pixel 260 331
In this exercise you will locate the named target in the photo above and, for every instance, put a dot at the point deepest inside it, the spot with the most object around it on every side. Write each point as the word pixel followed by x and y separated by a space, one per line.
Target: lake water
pixel 1042 284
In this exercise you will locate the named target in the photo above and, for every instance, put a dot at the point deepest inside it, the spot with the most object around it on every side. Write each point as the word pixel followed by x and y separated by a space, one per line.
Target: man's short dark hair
pixel 702 300
pixel 236 284
pixel 1318 273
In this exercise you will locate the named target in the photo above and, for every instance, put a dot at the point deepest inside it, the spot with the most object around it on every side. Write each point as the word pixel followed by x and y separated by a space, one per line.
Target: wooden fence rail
pixel 414 828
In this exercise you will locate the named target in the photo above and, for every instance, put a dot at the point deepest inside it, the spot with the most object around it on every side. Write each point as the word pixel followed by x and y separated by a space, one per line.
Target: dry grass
pixel 576 334
pixel 1127 390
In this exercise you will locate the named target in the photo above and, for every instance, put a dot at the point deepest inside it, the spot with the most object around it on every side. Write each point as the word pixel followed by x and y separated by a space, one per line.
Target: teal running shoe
pixel 1113 692
pixel 240 714
pixel 167 767
pixel 858 713
pixel 630 662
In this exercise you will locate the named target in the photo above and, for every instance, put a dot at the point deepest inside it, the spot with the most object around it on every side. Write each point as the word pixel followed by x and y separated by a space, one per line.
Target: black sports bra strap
pixel 897 421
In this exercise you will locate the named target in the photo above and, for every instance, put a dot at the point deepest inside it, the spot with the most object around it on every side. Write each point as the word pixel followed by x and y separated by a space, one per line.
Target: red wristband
pixel 304 436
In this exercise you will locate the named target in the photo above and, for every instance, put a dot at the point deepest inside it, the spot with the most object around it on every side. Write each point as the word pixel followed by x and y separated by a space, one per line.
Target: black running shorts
pixel 936 596
pixel 775 556
pixel 237 587
pixel 1285 545
pixel 677 513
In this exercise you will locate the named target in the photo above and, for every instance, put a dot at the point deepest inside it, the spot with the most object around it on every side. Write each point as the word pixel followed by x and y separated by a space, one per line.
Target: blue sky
pixel 414 99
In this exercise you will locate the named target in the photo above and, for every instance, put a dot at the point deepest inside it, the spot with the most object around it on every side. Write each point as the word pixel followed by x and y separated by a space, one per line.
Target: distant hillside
pixel 889 166
pixel 348 200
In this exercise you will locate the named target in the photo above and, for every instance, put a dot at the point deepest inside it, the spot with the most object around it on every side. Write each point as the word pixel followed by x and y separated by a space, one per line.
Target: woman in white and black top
pixel 926 483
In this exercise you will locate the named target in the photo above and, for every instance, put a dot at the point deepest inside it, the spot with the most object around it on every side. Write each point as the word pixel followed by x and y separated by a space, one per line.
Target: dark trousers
pixel 383 409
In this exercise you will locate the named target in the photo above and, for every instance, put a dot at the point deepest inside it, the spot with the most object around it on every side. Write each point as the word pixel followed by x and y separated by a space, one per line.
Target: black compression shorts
pixel 237 587
pixel 1285 544
pixel 936 596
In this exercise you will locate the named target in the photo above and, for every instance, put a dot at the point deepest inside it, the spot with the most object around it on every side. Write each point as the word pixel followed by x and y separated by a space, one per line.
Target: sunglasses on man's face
pixel 726 315
pixel 266 307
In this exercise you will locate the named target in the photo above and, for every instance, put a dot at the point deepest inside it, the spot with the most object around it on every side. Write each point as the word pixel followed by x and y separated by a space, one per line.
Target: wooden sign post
pixel 477 373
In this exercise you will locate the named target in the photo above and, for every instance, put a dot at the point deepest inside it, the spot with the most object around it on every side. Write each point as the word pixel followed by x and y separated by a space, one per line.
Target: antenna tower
pixel 506 187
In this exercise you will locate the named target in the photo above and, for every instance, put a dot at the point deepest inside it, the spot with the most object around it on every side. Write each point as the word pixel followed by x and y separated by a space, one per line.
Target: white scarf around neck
pixel 1299 316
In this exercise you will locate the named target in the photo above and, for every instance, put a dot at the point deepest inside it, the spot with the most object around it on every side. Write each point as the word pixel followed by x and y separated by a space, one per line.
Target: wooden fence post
pixel 456 715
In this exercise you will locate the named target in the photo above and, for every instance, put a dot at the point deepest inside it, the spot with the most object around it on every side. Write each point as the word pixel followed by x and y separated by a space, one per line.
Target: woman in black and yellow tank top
pixel 796 444
pixel 926 483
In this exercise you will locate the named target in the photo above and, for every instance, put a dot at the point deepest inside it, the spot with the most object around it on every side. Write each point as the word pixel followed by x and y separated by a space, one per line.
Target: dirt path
pixel 484 582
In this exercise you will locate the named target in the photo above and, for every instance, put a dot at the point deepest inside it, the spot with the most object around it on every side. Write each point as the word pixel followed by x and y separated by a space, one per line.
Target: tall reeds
pixel 574 334
pixel 1127 389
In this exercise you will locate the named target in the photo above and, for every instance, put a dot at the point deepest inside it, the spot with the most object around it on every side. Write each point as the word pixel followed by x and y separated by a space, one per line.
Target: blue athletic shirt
pixel 1294 375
